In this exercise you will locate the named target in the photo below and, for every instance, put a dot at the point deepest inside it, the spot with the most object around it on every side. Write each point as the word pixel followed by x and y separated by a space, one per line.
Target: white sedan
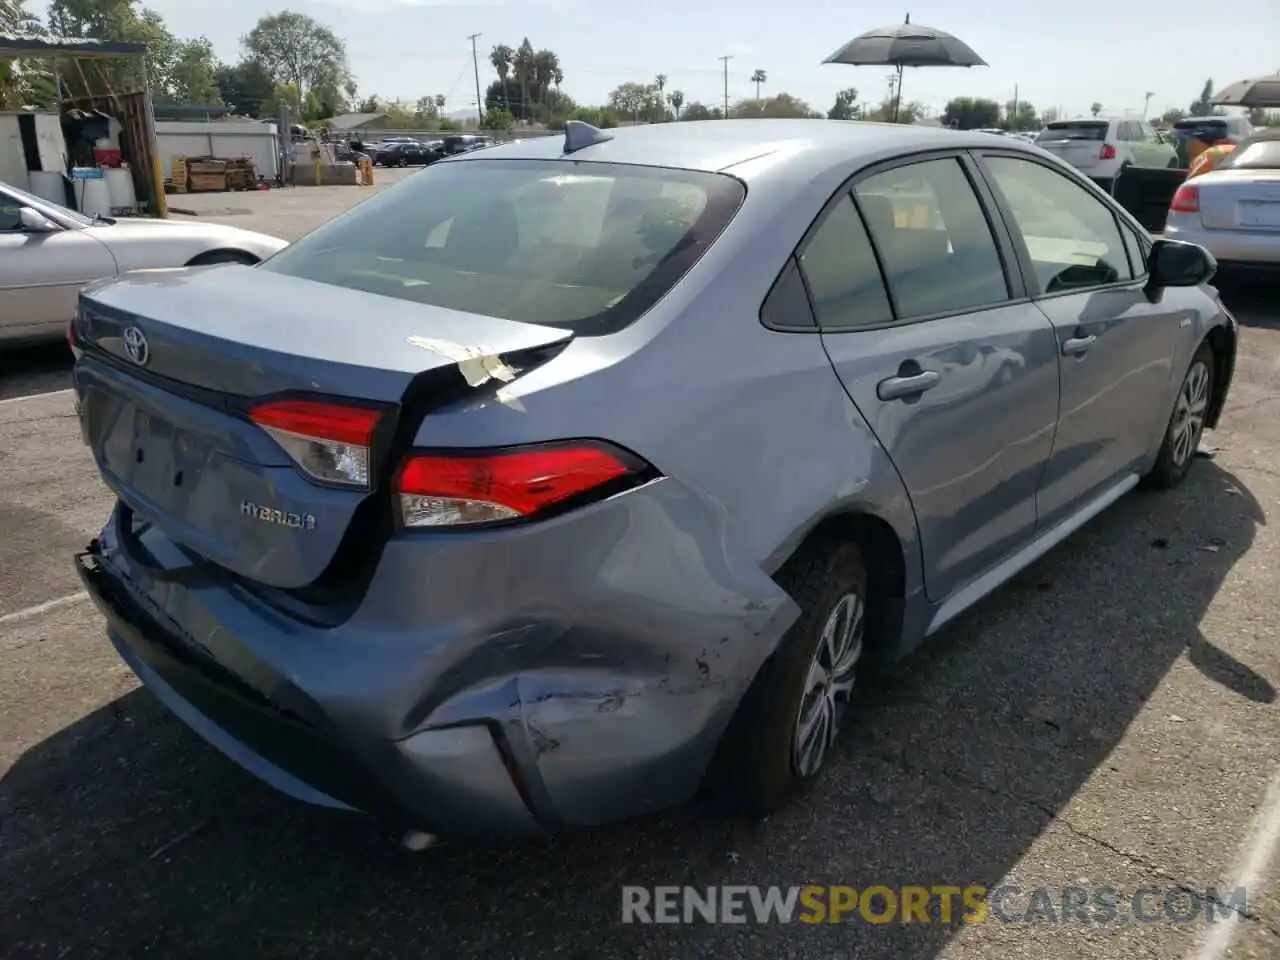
pixel 47 253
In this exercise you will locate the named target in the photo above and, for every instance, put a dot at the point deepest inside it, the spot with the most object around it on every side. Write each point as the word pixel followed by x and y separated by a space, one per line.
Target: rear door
pixel 952 369
pixel 1078 142
pixel 1115 347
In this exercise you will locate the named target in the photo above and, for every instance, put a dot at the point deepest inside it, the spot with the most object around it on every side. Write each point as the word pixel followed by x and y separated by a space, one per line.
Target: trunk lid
pixel 1079 144
pixel 1240 200
pixel 173 362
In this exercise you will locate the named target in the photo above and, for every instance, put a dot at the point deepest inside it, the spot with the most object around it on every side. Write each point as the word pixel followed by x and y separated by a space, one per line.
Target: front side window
pixel 937 248
pixel 586 246
pixel 1072 237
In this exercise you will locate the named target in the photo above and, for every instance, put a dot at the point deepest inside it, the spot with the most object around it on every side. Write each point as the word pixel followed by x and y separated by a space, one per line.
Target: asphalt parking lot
pixel 1108 720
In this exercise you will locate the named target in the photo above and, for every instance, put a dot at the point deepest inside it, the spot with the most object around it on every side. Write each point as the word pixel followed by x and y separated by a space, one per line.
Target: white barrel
pixel 120 188
pixel 93 198
pixel 48 185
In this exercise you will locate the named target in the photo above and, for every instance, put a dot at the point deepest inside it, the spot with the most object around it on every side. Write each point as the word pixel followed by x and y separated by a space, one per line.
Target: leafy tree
pixel 846 105
pixel 1201 107
pixel 24 82
pixel 246 88
pixel 497 120
pixel 1095 108
pixel 192 77
pixel 1172 116
pixel 759 78
pixel 1026 117
pixel 908 112
pixel 1049 115
pixel 700 111
pixel 676 99
pixel 783 105
pixel 971 113
pixel 638 101
pixel 119 21
pixel 297 50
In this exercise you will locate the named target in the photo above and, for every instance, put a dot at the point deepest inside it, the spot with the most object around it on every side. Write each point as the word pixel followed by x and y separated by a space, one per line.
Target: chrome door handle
pixel 895 388
pixel 1077 346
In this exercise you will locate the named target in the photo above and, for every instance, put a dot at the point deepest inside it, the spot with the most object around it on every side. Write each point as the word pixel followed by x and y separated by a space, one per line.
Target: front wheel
pixel 782 735
pixel 1186 423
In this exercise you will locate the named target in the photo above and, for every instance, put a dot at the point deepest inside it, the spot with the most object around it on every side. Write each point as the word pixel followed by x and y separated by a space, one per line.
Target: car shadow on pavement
pixel 125 835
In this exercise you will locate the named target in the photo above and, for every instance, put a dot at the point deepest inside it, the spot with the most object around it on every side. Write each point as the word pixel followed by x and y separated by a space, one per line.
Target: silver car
pixel 48 253
pixel 571 477
pixel 1234 210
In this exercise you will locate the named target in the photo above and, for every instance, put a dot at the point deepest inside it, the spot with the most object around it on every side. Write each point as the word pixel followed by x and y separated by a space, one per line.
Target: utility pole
pixel 475 65
pixel 725 60
pixel 1013 117
pixel 1146 103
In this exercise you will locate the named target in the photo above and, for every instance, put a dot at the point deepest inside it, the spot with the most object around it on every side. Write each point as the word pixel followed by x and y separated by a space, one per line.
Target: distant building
pixel 353 122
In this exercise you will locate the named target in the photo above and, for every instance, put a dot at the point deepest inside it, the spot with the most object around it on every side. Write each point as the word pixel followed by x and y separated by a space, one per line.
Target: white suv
pixel 1100 147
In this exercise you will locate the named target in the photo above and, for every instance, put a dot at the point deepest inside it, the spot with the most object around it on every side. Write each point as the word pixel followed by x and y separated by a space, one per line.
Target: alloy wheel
pixel 1188 413
pixel 829 684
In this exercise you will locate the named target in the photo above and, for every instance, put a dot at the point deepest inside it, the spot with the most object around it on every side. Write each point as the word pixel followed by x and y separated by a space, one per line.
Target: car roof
pixel 719 145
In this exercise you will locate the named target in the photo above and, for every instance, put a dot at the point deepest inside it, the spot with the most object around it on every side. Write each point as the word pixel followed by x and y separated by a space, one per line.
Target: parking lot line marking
pixel 1255 858
pixel 36 396
pixel 39 608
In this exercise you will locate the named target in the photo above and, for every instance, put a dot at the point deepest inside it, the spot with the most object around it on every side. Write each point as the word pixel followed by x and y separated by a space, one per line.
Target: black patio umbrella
pixel 903 45
pixel 1255 92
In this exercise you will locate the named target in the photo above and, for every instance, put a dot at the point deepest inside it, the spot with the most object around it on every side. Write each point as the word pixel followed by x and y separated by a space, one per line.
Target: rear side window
pixel 1255 155
pixel 840 269
pixel 585 246
pixel 937 248
pixel 1074 130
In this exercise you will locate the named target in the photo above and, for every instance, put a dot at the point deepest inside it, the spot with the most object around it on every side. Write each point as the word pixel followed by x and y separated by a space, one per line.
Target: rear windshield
pixel 586 246
pixel 1074 130
pixel 1193 129
pixel 1258 155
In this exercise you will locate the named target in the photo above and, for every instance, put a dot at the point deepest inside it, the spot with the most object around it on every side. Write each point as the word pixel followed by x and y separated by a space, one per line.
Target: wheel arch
pixel 1222 341
pixel 885 555
pixel 223 255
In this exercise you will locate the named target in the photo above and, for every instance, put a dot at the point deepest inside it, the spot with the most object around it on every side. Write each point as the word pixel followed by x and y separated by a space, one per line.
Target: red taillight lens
pixel 1187 199
pixel 330 442
pixel 454 489
pixel 1108 152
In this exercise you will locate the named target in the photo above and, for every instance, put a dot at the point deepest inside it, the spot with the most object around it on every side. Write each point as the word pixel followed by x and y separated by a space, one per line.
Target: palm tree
pixel 525 69
pixel 660 81
pixel 502 57
pixel 758 78
pixel 441 100
pixel 676 99
pixel 545 67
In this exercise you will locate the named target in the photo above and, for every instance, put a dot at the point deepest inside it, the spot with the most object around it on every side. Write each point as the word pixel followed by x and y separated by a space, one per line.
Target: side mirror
pixel 33 221
pixel 1175 263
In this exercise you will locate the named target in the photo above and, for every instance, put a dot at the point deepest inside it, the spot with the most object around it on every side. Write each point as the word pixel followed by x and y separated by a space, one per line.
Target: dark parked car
pixel 461 143
pixel 404 154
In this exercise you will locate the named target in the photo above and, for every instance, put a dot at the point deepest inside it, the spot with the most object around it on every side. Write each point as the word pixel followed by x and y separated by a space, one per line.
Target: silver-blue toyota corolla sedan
pixel 573 477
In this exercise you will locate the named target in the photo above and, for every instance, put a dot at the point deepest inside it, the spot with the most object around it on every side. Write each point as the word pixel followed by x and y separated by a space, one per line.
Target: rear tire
pixel 1186 423
pixel 782 735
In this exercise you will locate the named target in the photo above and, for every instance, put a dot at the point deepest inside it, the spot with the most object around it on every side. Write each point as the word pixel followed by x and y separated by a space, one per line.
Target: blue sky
pixel 408 49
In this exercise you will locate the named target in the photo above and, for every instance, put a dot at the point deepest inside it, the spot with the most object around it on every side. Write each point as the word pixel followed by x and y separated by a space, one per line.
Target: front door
pixel 41 273
pixel 1115 347
pixel 959 384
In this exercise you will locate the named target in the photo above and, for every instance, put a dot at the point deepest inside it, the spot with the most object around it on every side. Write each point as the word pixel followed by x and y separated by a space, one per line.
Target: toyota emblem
pixel 135 346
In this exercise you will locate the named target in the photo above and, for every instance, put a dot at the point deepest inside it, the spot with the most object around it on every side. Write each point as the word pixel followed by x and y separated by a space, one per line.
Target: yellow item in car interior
pixel 1209 159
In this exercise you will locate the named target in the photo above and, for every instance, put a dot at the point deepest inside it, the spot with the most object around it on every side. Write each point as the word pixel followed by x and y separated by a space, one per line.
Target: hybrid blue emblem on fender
pixel 280 518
